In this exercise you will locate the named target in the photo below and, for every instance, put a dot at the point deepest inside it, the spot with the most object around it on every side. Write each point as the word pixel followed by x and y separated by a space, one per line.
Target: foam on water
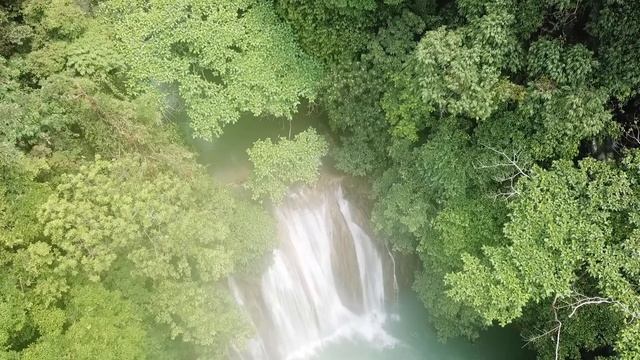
pixel 299 308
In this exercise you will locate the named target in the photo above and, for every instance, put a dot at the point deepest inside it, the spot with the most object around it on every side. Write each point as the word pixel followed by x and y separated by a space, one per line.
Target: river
pixel 417 340
pixel 328 291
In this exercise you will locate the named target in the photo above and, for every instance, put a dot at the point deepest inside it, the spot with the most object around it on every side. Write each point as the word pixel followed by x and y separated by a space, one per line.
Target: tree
pixel 571 239
pixel 173 234
pixel 251 65
pixel 335 31
pixel 97 323
pixel 449 130
pixel 617 30
pixel 100 258
pixel 461 70
pixel 477 124
pixel 355 91
pixel 278 165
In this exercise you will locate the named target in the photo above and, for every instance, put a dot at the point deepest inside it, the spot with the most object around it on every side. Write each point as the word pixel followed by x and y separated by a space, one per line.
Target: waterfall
pixel 327 280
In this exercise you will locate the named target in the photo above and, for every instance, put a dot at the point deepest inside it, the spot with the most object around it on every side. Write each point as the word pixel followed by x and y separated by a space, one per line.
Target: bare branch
pixel 537 337
pixel 579 300
pixel 572 304
pixel 556 330
pixel 512 167
pixel 511 161
pixel 555 315
pixel 588 301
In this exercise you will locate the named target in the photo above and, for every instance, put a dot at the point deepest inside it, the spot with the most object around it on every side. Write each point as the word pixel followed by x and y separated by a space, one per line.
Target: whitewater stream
pixel 330 293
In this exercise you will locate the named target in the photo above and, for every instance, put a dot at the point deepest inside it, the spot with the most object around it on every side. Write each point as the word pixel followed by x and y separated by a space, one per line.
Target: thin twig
pixel 510 162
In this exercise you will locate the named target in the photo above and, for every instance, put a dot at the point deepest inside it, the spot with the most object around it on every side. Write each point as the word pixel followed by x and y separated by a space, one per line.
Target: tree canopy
pixel 276 166
pixel 496 136
pixel 497 141
pixel 251 64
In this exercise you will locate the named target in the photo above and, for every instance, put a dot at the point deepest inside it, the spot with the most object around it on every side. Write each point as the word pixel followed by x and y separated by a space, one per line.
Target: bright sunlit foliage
pixel 495 142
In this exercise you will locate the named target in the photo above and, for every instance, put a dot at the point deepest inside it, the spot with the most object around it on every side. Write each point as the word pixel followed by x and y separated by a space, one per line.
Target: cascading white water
pixel 326 281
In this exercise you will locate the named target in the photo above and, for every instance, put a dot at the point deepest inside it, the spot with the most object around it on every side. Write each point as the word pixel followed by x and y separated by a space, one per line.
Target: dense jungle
pixel 150 152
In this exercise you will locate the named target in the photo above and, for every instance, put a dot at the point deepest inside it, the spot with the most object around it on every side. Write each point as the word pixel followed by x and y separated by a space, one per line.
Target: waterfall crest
pixel 327 281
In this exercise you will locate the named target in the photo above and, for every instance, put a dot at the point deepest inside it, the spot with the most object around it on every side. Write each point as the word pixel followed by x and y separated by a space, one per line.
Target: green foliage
pixel 85 58
pixel 355 89
pixel 333 30
pixel 122 259
pixel 455 79
pixel 549 123
pixel 13 314
pixel 573 65
pixel 618 31
pixel 174 232
pixel 276 166
pixel 476 123
pixel 464 225
pixel 54 20
pixel 14 35
pixel 101 325
pixel 460 70
pixel 250 65
pixel 448 131
pixel 628 346
pixel 567 224
pixel 68 117
pixel 66 39
pixel 430 202
pixel 30 322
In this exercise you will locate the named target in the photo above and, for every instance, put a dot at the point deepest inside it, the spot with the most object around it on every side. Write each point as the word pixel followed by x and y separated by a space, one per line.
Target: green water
pixel 226 157
pixel 418 341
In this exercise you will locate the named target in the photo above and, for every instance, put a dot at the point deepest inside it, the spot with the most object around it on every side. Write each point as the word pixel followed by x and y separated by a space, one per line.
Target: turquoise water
pixel 418 341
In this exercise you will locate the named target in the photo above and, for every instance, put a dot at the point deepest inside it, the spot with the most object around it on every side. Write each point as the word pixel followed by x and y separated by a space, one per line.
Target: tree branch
pixel 513 167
